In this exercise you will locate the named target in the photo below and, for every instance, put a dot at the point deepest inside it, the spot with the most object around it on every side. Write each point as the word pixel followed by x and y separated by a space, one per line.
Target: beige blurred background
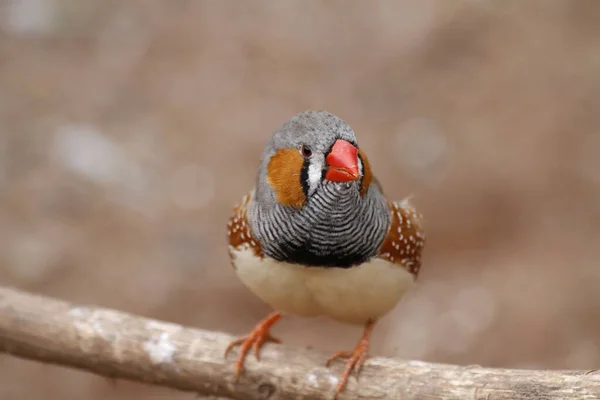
pixel 128 129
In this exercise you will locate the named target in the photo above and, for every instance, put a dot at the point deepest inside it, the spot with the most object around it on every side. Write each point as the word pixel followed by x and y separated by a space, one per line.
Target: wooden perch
pixel 119 345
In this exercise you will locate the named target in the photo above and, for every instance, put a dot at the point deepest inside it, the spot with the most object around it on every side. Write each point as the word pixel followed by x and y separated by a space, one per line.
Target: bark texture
pixel 120 345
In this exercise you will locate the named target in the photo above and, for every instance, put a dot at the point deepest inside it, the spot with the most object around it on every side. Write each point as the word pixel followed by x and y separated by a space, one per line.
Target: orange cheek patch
pixel 283 174
pixel 367 173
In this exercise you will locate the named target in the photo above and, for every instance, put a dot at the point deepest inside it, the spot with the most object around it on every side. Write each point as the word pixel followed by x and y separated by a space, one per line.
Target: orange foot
pixel 255 339
pixel 356 357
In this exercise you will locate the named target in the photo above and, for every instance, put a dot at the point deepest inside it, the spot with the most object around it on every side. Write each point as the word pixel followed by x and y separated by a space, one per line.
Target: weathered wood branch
pixel 120 345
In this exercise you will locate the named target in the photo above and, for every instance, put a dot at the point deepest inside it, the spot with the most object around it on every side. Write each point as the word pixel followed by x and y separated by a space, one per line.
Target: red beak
pixel 343 162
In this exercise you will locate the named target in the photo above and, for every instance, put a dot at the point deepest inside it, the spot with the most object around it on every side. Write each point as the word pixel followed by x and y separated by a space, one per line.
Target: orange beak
pixel 343 162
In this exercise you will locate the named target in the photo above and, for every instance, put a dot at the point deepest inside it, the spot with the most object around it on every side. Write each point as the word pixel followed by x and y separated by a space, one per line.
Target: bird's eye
pixel 305 151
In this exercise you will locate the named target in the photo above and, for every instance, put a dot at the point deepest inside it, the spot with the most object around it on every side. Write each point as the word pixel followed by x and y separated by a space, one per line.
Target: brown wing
pixel 405 239
pixel 238 230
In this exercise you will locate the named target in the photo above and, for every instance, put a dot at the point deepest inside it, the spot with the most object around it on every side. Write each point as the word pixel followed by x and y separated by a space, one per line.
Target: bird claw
pixel 360 363
pixel 339 354
pixel 262 340
pixel 355 359
pixel 254 340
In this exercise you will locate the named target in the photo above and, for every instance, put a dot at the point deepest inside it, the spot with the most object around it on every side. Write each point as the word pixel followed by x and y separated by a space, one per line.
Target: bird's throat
pixel 336 228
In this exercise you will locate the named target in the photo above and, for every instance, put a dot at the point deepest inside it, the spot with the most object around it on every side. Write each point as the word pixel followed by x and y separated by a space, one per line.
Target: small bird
pixel 317 236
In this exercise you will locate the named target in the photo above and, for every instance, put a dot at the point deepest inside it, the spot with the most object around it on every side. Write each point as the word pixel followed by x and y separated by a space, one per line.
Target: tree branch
pixel 119 345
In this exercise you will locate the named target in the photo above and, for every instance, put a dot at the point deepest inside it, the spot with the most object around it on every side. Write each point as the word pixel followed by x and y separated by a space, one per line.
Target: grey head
pixel 313 134
pixel 314 203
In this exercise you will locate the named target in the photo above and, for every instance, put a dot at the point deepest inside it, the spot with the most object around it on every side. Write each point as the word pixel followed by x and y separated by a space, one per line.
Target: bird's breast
pixel 353 295
pixel 335 229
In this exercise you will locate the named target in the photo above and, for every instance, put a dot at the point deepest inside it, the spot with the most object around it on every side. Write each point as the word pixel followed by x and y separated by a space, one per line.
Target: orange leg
pixel 356 357
pixel 255 339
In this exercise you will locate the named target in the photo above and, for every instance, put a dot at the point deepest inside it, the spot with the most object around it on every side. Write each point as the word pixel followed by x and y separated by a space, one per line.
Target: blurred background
pixel 128 129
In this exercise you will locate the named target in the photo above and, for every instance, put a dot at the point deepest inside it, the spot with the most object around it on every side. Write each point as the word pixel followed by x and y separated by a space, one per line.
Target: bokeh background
pixel 128 129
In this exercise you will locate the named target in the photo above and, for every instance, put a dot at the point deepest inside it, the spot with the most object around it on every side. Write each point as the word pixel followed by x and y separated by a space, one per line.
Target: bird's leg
pixel 255 339
pixel 356 357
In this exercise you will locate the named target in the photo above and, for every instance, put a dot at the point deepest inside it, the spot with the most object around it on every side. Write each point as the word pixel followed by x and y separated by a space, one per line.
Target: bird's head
pixel 310 150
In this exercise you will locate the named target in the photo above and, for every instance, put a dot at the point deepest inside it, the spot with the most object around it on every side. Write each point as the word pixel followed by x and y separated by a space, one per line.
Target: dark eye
pixel 305 151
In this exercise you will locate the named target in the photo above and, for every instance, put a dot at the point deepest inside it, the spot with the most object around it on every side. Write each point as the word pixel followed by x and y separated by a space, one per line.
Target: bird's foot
pixel 355 358
pixel 255 339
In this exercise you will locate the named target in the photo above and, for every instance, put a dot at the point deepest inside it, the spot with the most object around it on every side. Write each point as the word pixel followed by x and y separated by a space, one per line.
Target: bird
pixel 316 236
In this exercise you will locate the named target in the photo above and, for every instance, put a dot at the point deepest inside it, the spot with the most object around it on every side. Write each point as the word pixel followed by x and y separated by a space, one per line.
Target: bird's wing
pixel 239 234
pixel 405 239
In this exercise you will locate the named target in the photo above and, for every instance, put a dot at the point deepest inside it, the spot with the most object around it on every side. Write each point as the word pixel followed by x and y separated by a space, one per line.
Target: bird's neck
pixel 337 227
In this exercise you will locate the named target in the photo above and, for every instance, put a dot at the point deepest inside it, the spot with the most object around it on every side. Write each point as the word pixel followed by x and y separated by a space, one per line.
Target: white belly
pixel 350 295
